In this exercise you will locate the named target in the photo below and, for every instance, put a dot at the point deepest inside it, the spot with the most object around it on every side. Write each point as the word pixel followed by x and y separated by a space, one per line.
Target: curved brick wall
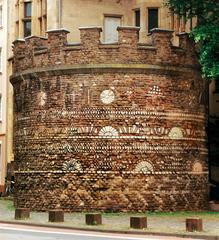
pixel 108 127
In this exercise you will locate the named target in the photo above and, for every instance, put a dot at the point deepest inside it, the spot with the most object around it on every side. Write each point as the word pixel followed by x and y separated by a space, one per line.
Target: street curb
pixel 204 237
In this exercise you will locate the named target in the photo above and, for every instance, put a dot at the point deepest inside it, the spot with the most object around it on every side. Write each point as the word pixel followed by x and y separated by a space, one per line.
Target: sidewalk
pixel 159 223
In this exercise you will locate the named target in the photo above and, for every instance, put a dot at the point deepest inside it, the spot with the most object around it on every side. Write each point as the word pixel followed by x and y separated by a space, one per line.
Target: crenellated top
pixel 35 52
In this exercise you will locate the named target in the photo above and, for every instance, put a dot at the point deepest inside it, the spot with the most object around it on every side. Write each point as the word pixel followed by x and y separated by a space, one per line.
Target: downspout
pixel 59 13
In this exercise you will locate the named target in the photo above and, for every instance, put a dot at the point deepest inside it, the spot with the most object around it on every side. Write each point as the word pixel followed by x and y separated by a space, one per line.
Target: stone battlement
pixel 35 52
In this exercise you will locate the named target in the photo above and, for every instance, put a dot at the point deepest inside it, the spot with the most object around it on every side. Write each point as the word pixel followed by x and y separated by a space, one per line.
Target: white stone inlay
pixel 144 167
pixel 175 133
pixel 108 132
pixel 197 167
pixel 155 90
pixel 107 96
pixel 72 165
pixel 42 98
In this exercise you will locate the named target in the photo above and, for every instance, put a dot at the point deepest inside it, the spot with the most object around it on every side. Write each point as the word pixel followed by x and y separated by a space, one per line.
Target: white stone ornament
pixel 108 132
pixel 175 133
pixel 144 167
pixel 155 90
pixel 42 98
pixel 107 96
pixel 72 165
pixel 197 167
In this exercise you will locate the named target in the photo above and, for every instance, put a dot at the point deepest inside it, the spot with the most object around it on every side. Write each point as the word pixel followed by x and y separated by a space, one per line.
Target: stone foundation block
pixel 56 216
pixel 194 224
pixel 93 219
pixel 138 222
pixel 214 206
pixel 22 213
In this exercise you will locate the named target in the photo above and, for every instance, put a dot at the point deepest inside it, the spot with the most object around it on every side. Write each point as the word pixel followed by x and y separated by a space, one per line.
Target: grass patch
pixel 7 204
pixel 183 214
pixel 10 206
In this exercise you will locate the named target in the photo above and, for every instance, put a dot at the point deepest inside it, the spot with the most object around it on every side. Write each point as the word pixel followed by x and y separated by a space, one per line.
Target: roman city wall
pixel 110 127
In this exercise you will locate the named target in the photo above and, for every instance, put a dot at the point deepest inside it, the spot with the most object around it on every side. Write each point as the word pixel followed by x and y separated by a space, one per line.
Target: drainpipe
pixel 59 13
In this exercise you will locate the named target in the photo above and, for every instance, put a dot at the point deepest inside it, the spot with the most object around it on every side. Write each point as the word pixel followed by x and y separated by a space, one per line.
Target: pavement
pixel 161 224
pixel 21 232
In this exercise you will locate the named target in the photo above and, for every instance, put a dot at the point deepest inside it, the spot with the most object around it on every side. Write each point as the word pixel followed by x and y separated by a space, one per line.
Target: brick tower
pixel 109 126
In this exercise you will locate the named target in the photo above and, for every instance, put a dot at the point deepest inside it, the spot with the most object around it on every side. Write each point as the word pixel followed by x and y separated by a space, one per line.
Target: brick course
pixel 109 126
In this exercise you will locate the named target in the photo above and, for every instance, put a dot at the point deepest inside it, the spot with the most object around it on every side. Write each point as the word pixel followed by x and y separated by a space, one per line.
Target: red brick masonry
pixel 109 126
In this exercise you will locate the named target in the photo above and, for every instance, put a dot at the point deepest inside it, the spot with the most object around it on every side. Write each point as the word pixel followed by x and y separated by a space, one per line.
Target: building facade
pixel 3 91
pixel 36 16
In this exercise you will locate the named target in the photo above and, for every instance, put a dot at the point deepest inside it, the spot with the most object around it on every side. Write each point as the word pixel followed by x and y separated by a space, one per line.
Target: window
pixel 191 25
pixel 27 28
pixel 1 17
pixel 217 85
pixel 27 9
pixel 152 18
pixel 27 18
pixel 45 22
pixel 43 17
pixel 17 29
pixel 110 28
pixel 137 18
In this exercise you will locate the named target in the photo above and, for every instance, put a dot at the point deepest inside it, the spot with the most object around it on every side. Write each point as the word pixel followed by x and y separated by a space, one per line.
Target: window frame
pixel 216 86
pixel 24 22
pixel 42 19
pixel 26 19
pixel 135 11
pixel 118 16
pixel 26 9
pixel 148 9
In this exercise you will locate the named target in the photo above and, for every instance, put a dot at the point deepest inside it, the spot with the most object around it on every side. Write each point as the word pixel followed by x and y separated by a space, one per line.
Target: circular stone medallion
pixel 107 96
